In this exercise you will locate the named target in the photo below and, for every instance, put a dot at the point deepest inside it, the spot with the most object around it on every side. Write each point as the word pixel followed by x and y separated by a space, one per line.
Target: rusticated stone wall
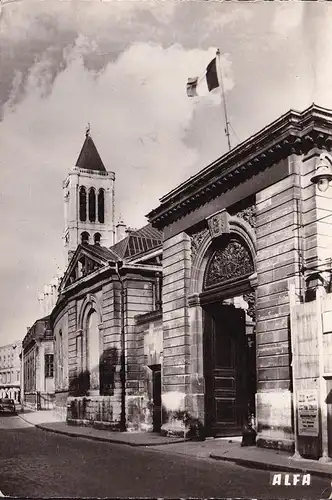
pixel 277 261
pixel 176 335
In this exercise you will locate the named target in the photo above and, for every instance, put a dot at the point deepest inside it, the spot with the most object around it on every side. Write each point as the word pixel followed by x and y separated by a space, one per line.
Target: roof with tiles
pixel 103 252
pixel 138 242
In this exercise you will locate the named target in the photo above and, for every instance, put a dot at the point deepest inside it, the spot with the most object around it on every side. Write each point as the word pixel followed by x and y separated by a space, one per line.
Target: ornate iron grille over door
pixel 229 262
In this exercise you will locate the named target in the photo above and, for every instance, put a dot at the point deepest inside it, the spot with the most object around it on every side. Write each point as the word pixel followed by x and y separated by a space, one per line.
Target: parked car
pixel 7 405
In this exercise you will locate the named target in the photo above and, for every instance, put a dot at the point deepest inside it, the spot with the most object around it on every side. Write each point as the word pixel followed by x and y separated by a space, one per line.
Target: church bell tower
pixel 89 201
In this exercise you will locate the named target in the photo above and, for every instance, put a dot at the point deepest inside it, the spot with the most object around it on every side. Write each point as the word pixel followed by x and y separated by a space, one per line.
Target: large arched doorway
pixel 227 300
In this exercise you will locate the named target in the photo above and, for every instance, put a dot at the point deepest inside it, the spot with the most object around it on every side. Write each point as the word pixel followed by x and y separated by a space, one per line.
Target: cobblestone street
pixel 35 463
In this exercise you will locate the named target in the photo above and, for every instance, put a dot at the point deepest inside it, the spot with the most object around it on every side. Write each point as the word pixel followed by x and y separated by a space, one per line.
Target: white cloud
pixel 139 114
pixel 25 19
pixel 288 17
pixel 143 124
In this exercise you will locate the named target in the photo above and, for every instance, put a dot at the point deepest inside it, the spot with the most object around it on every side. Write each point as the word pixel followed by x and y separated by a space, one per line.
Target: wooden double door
pixel 226 370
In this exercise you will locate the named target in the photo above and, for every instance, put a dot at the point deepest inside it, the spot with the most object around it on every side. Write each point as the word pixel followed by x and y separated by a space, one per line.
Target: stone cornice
pixel 148 317
pixel 97 279
pixel 293 133
pixel 36 335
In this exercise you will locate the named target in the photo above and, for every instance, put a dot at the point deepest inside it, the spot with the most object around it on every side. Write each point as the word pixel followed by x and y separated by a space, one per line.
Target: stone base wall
pixel 274 417
pixel 60 404
pixel 105 412
pixel 93 409
pixel 96 424
pixel 46 401
pixel 139 413
pixel 30 400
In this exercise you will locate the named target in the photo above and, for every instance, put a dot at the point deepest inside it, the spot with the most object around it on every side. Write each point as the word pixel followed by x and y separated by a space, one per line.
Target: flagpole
pixel 220 78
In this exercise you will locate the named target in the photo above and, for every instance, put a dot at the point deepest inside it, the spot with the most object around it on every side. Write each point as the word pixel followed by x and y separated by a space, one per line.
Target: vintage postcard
pixel 166 249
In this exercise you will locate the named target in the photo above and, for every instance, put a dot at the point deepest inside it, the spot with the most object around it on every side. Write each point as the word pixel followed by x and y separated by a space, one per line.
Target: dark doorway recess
pixel 156 395
pixel 228 391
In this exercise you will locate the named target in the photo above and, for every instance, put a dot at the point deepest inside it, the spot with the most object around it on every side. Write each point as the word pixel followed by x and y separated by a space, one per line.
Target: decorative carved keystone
pixel 218 224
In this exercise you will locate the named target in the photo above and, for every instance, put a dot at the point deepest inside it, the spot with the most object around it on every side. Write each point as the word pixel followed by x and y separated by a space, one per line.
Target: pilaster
pixel 176 379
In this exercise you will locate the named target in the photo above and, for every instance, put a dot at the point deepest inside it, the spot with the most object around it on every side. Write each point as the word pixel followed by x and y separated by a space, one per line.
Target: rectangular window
pixel 18 376
pixel 49 365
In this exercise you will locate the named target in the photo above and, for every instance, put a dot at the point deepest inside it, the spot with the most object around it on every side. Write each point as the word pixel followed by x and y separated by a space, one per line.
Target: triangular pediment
pixel 84 262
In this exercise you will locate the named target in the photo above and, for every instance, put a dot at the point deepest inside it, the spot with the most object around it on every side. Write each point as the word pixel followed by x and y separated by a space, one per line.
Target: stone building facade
pixel 100 333
pixel 10 370
pixel 187 320
pixel 37 366
pixel 234 237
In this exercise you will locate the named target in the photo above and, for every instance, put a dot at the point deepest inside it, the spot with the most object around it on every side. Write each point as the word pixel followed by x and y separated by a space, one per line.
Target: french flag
pixel 202 85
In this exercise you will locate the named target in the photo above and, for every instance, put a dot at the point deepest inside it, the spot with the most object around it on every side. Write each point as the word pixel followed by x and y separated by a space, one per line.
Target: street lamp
pixel 323 174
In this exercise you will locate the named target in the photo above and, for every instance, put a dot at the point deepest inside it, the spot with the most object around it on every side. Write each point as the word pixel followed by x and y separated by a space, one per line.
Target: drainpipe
pixel 294 367
pixel 117 267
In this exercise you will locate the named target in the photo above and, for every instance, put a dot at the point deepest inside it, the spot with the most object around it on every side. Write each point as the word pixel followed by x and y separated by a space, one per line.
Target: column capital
pixel 194 300
pixel 253 279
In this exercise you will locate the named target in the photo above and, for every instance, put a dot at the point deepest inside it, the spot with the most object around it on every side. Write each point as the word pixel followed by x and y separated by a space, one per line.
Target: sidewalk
pixel 227 449
pixel 49 421
pixel 273 460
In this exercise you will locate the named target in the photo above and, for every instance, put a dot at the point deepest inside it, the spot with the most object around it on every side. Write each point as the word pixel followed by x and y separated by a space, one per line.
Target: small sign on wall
pixel 307 413
pixel 327 322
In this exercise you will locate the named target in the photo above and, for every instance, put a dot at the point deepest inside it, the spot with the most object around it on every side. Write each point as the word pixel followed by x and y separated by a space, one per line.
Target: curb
pixel 256 464
pixel 101 438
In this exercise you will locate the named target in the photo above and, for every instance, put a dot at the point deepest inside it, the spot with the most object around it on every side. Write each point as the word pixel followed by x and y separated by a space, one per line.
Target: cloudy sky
pixel 122 66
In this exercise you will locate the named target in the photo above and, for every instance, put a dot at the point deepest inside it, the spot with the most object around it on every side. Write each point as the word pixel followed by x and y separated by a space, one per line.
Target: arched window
pixel 92 205
pixel 93 350
pixel 82 204
pixel 97 238
pixel 59 364
pixel 85 237
pixel 101 206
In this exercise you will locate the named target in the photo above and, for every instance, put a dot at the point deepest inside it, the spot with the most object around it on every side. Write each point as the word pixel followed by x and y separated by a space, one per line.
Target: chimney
pixel 120 230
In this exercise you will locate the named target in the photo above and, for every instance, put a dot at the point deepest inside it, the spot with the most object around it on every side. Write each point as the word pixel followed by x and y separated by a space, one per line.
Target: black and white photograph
pixel 166 249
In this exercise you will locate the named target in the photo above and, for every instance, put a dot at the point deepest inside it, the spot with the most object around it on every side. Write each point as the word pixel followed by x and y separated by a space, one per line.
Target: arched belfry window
pixel 92 205
pixel 101 206
pixel 82 203
pixel 97 238
pixel 231 261
pixel 85 237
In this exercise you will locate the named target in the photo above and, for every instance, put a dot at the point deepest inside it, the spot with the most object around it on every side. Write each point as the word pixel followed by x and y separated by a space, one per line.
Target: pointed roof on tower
pixel 89 158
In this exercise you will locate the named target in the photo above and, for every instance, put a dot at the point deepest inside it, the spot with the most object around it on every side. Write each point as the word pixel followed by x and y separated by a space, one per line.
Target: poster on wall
pixel 307 413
